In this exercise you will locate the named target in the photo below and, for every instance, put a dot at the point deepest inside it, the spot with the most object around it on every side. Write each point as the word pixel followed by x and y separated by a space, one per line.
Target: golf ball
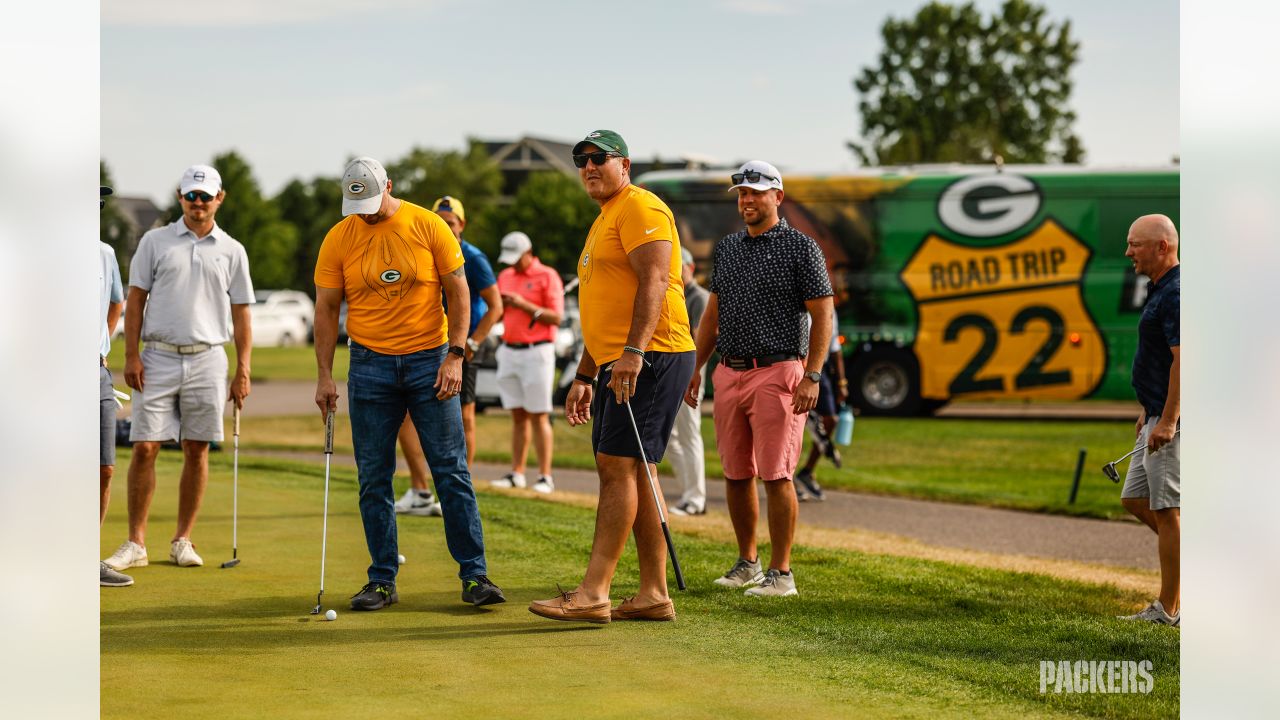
pixel 331 615
pixel 400 558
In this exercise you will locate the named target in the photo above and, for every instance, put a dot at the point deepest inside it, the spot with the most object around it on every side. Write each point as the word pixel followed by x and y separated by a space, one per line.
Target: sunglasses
pixel 751 176
pixel 599 158
pixel 193 195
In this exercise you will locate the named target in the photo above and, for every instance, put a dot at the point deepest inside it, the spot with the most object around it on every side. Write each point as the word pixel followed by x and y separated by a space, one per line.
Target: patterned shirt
pixel 761 284
pixel 1158 331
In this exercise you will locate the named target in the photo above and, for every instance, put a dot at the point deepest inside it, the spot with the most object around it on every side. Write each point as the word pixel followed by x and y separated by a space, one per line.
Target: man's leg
pixel 1169 528
pixel 469 431
pixel 105 473
pixel 376 401
pixel 783 510
pixel 615 516
pixel 141 487
pixel 519 440
pixel 744 512
pixel 687 456
pixel 542 442
pixel 411 446
pixel 195 476
pixel 1140 507
pixel 651 546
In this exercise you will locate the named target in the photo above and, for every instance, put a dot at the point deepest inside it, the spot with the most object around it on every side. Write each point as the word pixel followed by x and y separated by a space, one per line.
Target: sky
pixel 298 86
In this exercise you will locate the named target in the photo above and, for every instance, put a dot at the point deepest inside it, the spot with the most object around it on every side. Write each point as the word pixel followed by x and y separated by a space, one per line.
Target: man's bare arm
pixel 459 299
pixel 242 331
pixel 325 324
pixel 134 375
pixel 652 265
pixel 493 299
pixel 820 309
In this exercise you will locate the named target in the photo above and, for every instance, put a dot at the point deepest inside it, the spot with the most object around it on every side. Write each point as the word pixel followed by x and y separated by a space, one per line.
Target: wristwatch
pixel 816 377
pixel 472 345
pixel 457 350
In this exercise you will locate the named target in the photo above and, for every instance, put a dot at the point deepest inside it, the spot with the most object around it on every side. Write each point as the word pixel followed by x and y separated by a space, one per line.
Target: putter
pixel 1110 468
pixel 657 499
pixel 328 456
pixel 235 483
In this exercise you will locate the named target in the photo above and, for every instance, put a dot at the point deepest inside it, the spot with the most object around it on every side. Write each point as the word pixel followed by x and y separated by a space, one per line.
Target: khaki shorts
pixel 1157 475
pixel 182 398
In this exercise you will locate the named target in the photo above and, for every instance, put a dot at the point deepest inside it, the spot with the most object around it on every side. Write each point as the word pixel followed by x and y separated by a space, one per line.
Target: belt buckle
pixel 737 363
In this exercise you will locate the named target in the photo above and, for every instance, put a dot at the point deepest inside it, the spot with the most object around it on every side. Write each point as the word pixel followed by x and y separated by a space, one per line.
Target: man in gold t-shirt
pixel 636 331
pixel 390 260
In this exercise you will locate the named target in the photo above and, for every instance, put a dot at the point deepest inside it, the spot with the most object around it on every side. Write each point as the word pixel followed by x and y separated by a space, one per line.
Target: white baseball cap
pixel 769 178
pixel 362 186
pixel 200 177
pixel 514 246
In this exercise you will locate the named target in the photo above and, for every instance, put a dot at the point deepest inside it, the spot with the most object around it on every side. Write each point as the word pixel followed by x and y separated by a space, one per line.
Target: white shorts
pixel 182 398
pixel 1156 476
pixel 525 377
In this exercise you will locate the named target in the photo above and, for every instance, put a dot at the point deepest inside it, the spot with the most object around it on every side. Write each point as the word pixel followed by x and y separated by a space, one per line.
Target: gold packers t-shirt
pixel 608 285
pixel 390 274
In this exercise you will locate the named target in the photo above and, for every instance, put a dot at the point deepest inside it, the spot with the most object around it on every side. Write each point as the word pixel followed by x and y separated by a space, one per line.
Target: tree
pixel 312 207
pixel 951 87
pixel 113 228
pixel 552 209
pixel 423 175
pixel 255 221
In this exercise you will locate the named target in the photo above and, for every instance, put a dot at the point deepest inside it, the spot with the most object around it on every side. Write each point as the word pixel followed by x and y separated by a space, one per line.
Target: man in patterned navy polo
pixel 764 280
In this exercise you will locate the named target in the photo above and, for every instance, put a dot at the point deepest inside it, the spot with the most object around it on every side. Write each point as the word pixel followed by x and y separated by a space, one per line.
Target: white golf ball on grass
pixel 400 559
pixel 331 615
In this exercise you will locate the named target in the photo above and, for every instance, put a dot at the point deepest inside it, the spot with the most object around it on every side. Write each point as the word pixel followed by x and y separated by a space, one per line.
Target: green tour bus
pixel 962 281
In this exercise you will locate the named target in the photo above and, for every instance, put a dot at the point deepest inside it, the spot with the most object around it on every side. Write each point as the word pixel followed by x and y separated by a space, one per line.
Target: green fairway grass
pixel 269 363
pixel 1021 464
pixel 869 636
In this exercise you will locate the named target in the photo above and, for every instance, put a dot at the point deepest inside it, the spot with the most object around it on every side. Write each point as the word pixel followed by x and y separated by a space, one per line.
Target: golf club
pixel 235 483
pixel 1110 468
pixel 657 499
pixel 328 456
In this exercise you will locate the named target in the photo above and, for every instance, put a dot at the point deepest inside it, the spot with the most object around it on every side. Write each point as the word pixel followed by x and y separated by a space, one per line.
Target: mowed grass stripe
pixel 870 636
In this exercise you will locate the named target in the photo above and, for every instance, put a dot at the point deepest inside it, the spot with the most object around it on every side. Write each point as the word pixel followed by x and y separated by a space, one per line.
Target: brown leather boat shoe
pixel 566 607
pixel 628 610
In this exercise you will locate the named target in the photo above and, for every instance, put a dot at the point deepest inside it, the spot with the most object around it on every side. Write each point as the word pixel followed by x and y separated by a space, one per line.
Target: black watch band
pixel 457 350
pixel 584 378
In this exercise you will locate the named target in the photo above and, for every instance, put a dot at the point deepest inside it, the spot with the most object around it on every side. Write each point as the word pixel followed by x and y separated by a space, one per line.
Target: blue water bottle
pixel 844 427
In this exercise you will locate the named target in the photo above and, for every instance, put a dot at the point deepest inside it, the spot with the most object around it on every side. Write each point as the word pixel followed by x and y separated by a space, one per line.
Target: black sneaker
pixel 807 487
pixel 480 591
pixel 374 596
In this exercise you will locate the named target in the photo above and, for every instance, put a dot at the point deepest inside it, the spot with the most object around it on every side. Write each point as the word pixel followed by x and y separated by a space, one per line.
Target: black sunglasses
pixel 191 196
pixel 599 158
pixel 751 176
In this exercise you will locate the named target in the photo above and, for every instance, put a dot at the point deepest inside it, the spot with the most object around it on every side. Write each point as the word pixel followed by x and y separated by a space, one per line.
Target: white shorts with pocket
pixel 525 377
pixel 182 396
pixel 1156 476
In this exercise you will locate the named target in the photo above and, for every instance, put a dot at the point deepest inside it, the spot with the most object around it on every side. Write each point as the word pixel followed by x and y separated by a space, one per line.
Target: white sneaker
pixel 545 485
pixel 431 509
pixel 1154 613
pixel 743 574
pixel 510 480
pixel 183 553
pixel 775 584
pixel 129 555
pixel 415 502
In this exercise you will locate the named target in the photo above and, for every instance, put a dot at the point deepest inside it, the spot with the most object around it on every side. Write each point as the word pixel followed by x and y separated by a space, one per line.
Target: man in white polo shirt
pixel 188 287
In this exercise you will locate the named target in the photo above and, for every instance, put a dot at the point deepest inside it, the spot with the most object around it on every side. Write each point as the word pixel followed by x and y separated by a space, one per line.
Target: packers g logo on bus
pixel 984 206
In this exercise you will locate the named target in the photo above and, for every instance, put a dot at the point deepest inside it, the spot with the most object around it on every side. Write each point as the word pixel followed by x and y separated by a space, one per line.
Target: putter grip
pixel 675 562
pixel 235 420
pixel 328 433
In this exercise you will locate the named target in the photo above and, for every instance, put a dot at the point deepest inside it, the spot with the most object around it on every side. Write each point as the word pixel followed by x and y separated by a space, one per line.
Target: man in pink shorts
pixel 764 280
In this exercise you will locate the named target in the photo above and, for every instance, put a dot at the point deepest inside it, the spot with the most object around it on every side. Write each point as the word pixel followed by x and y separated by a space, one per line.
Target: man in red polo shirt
pixel 533 303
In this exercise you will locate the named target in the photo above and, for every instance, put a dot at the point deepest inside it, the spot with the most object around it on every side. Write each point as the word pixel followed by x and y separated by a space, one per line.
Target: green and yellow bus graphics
pixel 963 281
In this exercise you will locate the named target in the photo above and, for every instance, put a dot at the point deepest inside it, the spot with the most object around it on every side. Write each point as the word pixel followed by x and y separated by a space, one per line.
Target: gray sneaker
pixel 1154 613
pixel 110 578
pixel 744 573
pixel 775 584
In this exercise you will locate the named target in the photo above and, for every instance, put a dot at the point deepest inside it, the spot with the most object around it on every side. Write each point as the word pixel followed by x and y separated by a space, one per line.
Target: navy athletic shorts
pixel 664 378
pixel 826 406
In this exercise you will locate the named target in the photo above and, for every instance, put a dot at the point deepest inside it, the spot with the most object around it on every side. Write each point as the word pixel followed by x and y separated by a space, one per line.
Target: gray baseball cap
pixel 362 186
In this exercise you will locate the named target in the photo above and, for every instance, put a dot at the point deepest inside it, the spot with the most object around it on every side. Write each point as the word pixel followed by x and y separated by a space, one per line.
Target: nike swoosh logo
pixel 650 231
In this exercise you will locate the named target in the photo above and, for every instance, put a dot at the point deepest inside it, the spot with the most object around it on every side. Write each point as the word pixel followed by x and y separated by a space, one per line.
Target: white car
pixel 281 318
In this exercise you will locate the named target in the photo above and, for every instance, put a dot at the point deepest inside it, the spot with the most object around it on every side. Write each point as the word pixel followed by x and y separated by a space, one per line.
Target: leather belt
pixel 522 346
pixel 180 349
pixel 747 363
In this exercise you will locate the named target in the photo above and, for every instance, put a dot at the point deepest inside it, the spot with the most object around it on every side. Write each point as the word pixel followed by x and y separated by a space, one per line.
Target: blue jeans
pixel 380 388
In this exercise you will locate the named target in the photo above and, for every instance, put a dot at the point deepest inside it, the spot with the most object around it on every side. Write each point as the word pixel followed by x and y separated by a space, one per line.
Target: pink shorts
pixel 757 434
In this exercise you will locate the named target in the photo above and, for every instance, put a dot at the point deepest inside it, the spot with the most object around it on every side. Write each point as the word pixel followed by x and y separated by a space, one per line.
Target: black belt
pixel 747 363
pixel 521 346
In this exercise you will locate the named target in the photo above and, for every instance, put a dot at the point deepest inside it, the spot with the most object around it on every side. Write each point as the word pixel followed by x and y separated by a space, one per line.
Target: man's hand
pixel 691 395
pixel 449 377
pixel 239 388
pixel 133 372
pixel 326 396
pixel 577 406
pixel 623 379
pixel 805 397
pixel 1161 434
pixel 1137 428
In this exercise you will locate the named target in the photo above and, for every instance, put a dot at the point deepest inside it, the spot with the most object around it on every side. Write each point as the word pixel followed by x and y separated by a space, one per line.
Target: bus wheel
pixel 886 382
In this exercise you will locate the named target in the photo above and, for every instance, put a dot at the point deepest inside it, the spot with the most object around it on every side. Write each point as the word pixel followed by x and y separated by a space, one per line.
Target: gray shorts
pixel 1157 475
pixel 183 396
pixel 106 419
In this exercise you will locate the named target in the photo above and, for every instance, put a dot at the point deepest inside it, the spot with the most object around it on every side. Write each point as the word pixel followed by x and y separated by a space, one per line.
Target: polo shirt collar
pixel 180 229
pixel 1169 276
pixel 535 265
pixel 782 226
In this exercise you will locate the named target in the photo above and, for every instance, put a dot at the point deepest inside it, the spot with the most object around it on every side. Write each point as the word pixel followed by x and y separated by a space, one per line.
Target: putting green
pixel 870 636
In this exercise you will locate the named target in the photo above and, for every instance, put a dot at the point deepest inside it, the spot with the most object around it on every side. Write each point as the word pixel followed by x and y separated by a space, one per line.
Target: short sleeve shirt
pixel 761 285
pixel 191 284
pixel 110 290
pixel 1158 331
pixel 479 277
pixel 695 302
pixel 539 285
pixel 390 276
pixel 608 285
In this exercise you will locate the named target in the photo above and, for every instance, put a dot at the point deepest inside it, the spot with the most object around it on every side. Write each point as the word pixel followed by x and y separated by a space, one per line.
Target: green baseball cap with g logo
pixel 606 140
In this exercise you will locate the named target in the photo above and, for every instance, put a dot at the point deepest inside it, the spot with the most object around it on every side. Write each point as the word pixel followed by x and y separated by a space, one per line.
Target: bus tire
pixel 886 381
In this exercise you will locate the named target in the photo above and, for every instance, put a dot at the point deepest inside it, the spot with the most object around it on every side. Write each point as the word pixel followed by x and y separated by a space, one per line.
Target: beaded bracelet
pixel 633 350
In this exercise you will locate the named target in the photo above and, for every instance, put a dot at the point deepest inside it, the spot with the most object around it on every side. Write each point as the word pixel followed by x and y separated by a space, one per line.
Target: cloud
pixel 239 13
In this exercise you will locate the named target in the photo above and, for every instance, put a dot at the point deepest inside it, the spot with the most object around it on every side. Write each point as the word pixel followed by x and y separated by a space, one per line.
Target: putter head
pixel 1110 471
pixel 231 563
pixel 316 610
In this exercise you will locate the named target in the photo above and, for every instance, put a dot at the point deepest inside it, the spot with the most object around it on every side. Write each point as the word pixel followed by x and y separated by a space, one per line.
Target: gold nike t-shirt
pixel 608 285
pixel 390 274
